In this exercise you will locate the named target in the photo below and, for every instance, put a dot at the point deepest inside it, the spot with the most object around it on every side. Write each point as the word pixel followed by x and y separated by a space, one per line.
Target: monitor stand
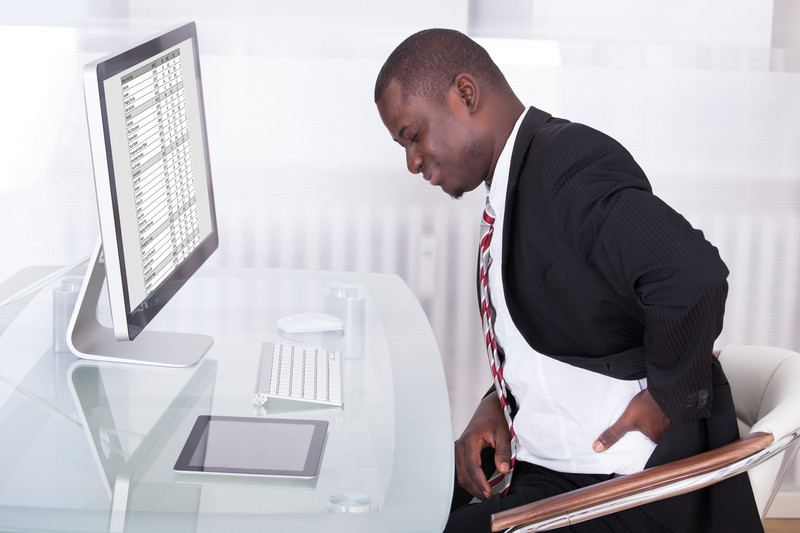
pixel 88 339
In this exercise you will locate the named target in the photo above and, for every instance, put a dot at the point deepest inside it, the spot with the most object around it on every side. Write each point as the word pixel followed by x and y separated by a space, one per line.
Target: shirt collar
pixel 496 193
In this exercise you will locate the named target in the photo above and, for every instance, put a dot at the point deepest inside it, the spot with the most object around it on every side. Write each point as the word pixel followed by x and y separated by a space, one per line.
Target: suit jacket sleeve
pixel 648 253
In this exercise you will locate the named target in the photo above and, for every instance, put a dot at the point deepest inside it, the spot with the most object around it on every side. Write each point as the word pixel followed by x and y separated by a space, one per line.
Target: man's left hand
pixel 642 414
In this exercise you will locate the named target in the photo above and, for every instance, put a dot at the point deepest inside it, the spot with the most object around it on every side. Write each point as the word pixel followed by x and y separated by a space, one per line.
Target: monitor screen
pixel 160 179
pixel 152 173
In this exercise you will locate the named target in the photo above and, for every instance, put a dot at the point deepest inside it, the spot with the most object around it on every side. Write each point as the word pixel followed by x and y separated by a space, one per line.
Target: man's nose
pixel 414 161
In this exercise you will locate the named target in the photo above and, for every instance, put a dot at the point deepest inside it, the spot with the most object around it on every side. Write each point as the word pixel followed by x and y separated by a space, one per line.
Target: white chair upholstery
pixel 765 382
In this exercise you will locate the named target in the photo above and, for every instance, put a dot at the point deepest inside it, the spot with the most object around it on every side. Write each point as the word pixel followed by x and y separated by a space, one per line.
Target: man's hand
pixel 642 414
pixel 487 428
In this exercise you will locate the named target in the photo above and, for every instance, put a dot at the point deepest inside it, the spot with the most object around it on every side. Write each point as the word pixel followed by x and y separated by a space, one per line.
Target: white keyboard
pixel 299 373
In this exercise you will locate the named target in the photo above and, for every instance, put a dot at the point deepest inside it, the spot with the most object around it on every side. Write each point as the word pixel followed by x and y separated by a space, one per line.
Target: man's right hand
pixel 487 429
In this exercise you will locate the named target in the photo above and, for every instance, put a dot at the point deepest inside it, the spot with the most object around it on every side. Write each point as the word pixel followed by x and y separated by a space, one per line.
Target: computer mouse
pixel 301 323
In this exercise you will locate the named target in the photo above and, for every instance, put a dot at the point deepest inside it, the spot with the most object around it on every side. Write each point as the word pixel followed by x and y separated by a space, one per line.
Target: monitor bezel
pixel 129 321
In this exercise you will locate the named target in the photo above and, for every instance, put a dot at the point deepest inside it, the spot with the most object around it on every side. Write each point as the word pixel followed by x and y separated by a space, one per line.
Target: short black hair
pixel 426 64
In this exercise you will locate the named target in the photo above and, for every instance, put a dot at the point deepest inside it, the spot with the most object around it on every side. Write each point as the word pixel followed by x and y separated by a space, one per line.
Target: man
pixel 601 304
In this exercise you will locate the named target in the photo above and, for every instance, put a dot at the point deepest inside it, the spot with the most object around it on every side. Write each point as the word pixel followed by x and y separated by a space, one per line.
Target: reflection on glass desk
pixel 90 446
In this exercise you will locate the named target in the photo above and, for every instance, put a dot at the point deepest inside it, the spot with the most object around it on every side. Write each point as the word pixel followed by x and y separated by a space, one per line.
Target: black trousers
pixel 532 483
pixel 725 507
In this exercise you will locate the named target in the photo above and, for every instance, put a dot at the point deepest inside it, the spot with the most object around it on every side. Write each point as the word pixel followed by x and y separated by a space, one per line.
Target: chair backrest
pixel 765 382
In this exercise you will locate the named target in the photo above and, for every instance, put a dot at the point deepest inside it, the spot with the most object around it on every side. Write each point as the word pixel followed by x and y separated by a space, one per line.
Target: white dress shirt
pixel 562 408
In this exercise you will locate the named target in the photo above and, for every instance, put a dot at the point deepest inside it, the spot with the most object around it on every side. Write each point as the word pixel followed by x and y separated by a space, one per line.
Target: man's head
pixel 446 102
pixel 426 64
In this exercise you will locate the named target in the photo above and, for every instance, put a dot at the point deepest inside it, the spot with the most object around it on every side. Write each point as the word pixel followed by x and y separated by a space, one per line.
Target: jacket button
pixel 702 398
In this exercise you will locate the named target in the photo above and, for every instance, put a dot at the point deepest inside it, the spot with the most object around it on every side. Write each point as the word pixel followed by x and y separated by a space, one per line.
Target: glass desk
pixel 89 446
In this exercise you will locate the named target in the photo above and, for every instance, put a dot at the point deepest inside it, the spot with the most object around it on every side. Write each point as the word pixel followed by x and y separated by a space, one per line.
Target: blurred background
pixel 705 95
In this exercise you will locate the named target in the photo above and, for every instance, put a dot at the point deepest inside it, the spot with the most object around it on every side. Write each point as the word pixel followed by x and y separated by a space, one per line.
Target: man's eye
pixel 406 141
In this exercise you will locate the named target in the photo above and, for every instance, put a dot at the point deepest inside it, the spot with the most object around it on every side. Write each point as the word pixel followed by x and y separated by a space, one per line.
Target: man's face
pixel 441 139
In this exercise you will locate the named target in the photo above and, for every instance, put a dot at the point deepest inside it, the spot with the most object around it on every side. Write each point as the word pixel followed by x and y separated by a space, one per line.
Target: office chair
pixel 764 382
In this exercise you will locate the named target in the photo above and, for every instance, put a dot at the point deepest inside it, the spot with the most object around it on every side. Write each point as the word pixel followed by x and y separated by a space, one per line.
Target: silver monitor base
pixel 88 339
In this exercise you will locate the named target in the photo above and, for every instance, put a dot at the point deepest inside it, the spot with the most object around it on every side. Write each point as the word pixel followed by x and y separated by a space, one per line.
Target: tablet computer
pixel 247 446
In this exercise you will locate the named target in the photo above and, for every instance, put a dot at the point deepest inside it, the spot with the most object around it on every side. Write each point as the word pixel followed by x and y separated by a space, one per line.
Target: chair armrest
pixel 631 484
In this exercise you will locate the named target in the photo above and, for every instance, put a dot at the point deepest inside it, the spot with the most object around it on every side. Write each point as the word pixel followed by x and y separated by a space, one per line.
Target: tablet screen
pixel 253 446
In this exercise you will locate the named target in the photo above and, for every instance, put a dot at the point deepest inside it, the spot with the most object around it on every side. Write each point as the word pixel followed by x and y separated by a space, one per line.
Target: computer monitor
pixel 144 107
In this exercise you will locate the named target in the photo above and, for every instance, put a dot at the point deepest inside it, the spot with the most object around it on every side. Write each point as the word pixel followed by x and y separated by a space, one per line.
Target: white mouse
pixel 309 323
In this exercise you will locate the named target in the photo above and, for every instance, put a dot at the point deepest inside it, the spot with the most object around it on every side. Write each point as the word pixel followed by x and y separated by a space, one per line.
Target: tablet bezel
pixel 195 439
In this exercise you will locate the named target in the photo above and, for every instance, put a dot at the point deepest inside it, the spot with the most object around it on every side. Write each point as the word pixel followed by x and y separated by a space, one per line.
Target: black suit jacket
pixel 600 273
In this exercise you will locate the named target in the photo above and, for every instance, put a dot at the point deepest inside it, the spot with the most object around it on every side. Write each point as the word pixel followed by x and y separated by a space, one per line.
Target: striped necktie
pixel 498 482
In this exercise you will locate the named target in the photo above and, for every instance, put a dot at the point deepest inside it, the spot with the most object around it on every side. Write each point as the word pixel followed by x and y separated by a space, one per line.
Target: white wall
pixel 704 94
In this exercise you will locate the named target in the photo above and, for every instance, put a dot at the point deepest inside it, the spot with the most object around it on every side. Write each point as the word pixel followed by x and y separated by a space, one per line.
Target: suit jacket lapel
pixel 534 119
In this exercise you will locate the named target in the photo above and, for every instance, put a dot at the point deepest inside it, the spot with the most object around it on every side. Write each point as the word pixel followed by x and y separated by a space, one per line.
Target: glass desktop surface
pixel 89 446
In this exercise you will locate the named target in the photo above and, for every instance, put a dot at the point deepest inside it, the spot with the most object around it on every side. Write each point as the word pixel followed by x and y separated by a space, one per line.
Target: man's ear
pixel 468 91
